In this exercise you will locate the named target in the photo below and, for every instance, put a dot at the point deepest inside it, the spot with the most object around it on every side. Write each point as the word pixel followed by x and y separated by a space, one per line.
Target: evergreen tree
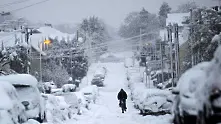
pixel 164 10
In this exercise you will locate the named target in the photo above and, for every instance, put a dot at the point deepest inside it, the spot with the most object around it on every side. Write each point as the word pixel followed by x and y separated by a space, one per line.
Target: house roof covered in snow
pixel 176 18
pixel 9 38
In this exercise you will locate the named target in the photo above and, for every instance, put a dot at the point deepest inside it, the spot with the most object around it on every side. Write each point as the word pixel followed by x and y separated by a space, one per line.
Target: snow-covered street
pixel 106 109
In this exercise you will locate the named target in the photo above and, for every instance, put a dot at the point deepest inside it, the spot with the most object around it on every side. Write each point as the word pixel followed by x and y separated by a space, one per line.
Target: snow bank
pixel 20 79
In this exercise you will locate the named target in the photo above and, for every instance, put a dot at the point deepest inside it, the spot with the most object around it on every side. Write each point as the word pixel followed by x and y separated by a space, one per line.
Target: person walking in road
pixel 122 96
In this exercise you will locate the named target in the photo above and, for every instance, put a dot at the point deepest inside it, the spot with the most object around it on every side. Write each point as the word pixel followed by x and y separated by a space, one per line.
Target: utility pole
pixel 161 58
pixel 27 34
pixel 191 37
pixel 40 62
pixel 171 51
pixel 177 61
pixel 140 49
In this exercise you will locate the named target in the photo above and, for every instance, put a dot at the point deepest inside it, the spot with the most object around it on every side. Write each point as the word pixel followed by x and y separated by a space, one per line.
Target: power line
pixel 12 3
pixel 28 6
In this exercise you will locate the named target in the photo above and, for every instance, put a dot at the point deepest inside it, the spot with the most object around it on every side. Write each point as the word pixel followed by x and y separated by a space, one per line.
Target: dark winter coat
pixel 122 95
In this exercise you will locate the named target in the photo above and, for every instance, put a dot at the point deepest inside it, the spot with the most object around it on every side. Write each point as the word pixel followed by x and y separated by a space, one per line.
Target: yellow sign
pixel 47 42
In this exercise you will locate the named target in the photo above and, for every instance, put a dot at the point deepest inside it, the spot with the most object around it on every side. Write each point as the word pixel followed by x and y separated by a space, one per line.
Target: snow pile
pixel 69 88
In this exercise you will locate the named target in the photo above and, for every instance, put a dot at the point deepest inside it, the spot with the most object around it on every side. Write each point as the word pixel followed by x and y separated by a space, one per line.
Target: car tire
pixel 41 120
pixel 177 119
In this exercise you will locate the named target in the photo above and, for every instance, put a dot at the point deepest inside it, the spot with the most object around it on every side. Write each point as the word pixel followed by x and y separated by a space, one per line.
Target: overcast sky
pixel 73 11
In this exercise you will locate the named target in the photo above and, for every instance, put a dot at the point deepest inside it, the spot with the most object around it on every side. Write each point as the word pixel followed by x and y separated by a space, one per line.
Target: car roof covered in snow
pixel 20 79
pixel 191 78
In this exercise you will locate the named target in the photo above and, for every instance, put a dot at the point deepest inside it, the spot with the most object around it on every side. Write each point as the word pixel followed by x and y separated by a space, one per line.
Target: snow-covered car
pixel 186 103
pixel 98 81
pixel 128 62
pixel 11 109
pixel 210 94
pixel 90 93
pixel 29 95
pixel 82 102
pixel 100 72
pixel 68 88
pixel 48 86
pixel 57 110
pixel 72 100
pixel 154 102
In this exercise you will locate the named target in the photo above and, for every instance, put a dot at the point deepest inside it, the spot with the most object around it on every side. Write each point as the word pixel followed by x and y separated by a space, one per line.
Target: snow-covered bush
pixel 52 71
pixel 69 88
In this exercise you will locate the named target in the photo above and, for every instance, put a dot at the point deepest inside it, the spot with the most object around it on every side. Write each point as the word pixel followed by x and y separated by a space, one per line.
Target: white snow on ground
pixel 106 110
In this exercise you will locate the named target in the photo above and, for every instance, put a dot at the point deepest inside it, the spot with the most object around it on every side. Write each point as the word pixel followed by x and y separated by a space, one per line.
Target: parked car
pixel 68 88
pixel 29 95
pixel 98 81
pixel 100 72
pixel 11 109
pixel 186 100
pixel 210 95
pixel 154 102
pixel 90 93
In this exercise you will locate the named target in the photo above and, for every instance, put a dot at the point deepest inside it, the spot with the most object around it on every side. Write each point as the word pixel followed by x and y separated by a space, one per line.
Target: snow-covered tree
pixel 206 24
pixel 136 21
pixel 53 72
pixel 95 31
pixel 164 10
pixel 70 56
pixel 15 58
pixel 185 7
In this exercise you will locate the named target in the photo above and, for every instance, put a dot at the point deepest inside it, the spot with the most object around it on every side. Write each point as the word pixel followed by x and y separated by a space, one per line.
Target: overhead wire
pixel 15 10
pixel 12 3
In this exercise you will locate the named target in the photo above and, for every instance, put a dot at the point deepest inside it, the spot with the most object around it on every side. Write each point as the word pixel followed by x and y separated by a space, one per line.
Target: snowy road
pixel 107 111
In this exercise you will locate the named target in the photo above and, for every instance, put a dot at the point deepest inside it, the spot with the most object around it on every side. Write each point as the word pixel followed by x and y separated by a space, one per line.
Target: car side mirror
pixel 175 91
